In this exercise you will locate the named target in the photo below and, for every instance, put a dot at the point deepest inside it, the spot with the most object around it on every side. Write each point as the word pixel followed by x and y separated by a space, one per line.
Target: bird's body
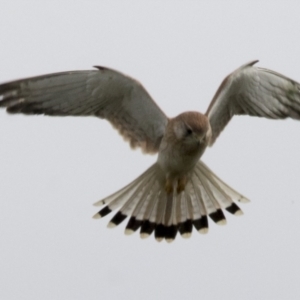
pixel 184 141
pixel 178 191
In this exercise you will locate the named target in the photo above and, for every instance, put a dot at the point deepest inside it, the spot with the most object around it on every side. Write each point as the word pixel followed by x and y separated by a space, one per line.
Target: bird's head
pixel 192 128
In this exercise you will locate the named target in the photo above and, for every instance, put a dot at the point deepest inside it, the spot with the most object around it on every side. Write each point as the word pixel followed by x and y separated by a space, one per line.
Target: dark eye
pixel 189 131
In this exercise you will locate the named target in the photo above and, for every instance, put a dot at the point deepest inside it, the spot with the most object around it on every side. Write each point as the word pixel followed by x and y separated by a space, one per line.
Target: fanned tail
pixel 153 208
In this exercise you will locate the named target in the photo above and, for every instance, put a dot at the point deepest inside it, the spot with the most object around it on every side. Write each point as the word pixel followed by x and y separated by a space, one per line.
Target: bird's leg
pixel 169 186
pixel 181 184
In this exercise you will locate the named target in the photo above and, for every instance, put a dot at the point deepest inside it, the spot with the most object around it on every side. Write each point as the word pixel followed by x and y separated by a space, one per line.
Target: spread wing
pixel 102 93
pixel 255 92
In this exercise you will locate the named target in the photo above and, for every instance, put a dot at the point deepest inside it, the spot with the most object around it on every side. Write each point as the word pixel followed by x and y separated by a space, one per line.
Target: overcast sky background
pixel 53 169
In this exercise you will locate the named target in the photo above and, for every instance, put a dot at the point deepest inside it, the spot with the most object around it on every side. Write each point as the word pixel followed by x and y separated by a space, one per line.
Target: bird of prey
pixel 178 192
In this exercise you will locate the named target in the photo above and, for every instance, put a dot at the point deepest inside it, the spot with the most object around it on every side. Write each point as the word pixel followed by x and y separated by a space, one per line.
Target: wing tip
pixel 253 62
pixel 101 68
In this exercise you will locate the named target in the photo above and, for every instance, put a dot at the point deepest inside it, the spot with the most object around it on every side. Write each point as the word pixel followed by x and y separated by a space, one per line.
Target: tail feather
pixel 234 195
pixel 195 192
pixel 146 205
pixel 215 211
pixel 153 209
pixel 170 218
pixel 185 228
pixel 160 212
pixel 154 213
pixel 221 192
pixel 150 209
pixel 169 210
pixel 130 197
pixel 186 225
pixel 140 200
pixel 180 208
pixel 117 219
pixel 166 229
pixel 149 223
pixel 205 207
pixel 132 225
pixel 201 224
pixel 204 204
pixel 127 190
pixel 143 198
pixel 198 208
pixel 146 229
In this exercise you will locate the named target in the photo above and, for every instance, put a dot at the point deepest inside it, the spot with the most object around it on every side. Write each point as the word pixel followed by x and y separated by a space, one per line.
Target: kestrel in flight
pixel 178 192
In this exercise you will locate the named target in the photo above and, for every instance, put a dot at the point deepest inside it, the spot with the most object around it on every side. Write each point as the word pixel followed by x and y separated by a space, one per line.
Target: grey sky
pixel 53 169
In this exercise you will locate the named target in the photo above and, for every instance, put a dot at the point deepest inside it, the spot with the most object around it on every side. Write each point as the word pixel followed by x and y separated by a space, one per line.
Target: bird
pixel 178 193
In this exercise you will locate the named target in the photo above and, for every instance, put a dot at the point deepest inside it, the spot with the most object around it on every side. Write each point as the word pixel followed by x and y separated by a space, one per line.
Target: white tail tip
pixel 111 225
pixel 244 200
pixel 144 235
pixel 96 216
pixel 203 231
pixel 222 222
pixel 186 235
pixel 99 203
pixel 169 240
pixel 239 213
pixel 128 231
